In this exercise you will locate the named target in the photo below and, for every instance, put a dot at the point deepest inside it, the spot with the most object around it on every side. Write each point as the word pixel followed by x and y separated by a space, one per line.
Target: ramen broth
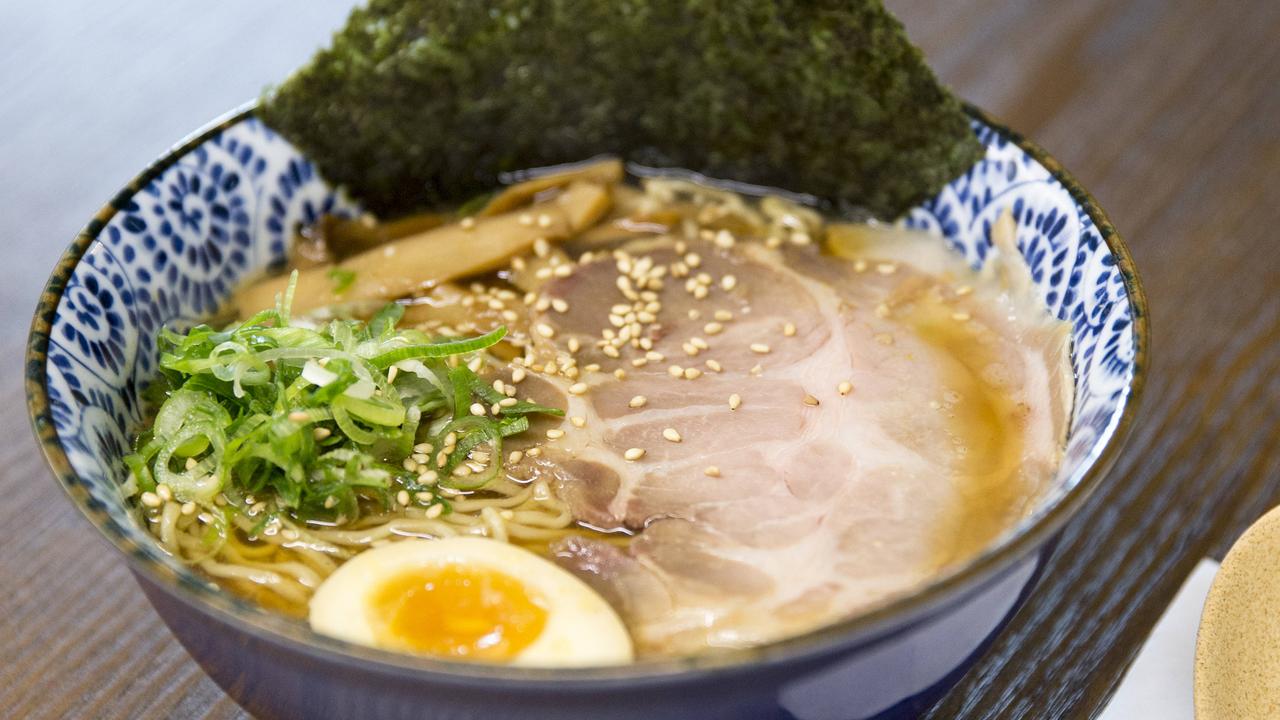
pixel 771 420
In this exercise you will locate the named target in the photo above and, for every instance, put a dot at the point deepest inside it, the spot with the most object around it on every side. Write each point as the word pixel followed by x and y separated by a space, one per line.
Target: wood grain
pixel 1165 109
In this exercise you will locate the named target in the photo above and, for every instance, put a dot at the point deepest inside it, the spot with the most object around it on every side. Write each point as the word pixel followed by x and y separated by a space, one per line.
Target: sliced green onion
pixel 440 349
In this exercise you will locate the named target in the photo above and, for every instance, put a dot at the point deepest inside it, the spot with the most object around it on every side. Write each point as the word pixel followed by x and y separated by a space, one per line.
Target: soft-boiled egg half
pixel 469 599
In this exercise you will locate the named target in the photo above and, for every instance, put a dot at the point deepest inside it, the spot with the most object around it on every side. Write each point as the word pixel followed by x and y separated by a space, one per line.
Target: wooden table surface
pixel 1167 110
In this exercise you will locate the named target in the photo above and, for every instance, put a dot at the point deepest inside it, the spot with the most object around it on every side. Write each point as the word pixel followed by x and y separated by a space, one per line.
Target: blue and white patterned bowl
pixel 222 205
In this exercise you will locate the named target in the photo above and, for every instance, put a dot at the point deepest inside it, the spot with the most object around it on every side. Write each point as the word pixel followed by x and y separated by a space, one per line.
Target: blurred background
pixel 1166 110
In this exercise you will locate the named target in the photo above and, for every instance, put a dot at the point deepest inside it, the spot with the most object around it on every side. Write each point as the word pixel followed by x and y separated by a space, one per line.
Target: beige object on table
pixel 1238 647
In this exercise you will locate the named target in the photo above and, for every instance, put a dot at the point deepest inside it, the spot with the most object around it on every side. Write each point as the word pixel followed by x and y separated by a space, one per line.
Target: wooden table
pixel 1166 109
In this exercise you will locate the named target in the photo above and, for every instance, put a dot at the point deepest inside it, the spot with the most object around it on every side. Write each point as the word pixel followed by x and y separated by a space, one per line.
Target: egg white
pixel 581 628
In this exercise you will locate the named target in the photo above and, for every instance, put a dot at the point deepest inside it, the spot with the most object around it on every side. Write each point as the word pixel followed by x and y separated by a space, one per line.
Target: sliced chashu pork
pixel 901 416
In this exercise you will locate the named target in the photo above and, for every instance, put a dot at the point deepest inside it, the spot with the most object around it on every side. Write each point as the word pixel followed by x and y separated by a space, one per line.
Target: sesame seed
pixel 507 402
pixel 886 268
pixel 525 219
pixel 789 329
pixel 724 315
pixel 434 511
pixel 712 328
pixel 544 221
pixel 735 401
pixel 555 434
pixel 844 388
pixel 639 362
pixel 689 349
pixel 468 223
pixel 517 375
pixel 165 492
pixel 711 471
pixel 694 314
pixel 759 348
pixel 620 374
pixel 675 371
pixel 478 409
pixel 692 373
pixel 578 388
pixel 699 343
pixel 559 305
pixel 654 356
pixel 402 497
pixel 423 496
pixel 624 286
pixel 610 351
pixel 672 435
pixel 495 408
pixel 964 290
pixel 422 448
pixel 299 416
pixel 563 271
pixel 714 366
pixel 330 501
pixel 188 508
pixel 756 370
pixel 882 310
pixel 960 316
pixel 638 401
pixel 150 499
pixel 545 330
pixel 633 454
pixel 810 400
pixel 515 456
pixel 700 292
pixel 724 239
pixel 578 421
pixel 728 282
pixel 574 345
pixel 428 477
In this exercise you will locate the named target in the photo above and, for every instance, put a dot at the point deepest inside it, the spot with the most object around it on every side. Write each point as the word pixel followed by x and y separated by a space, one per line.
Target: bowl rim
pixel 823 641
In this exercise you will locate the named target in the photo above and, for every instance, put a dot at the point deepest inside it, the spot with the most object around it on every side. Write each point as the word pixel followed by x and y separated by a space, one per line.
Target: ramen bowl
pixel 223 204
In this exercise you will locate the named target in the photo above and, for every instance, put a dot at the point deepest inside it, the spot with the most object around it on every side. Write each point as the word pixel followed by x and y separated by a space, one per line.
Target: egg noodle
pixel 284 562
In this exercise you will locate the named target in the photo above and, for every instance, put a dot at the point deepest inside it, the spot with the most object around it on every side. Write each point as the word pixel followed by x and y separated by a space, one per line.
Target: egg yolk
pixel 457 612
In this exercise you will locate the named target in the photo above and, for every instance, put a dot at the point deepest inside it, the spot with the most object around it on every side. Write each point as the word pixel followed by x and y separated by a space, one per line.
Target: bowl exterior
pixel 223 205
pixel 894 676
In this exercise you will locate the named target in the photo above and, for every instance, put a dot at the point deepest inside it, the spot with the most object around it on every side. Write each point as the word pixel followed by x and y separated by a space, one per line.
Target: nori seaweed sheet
pixel 422 103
